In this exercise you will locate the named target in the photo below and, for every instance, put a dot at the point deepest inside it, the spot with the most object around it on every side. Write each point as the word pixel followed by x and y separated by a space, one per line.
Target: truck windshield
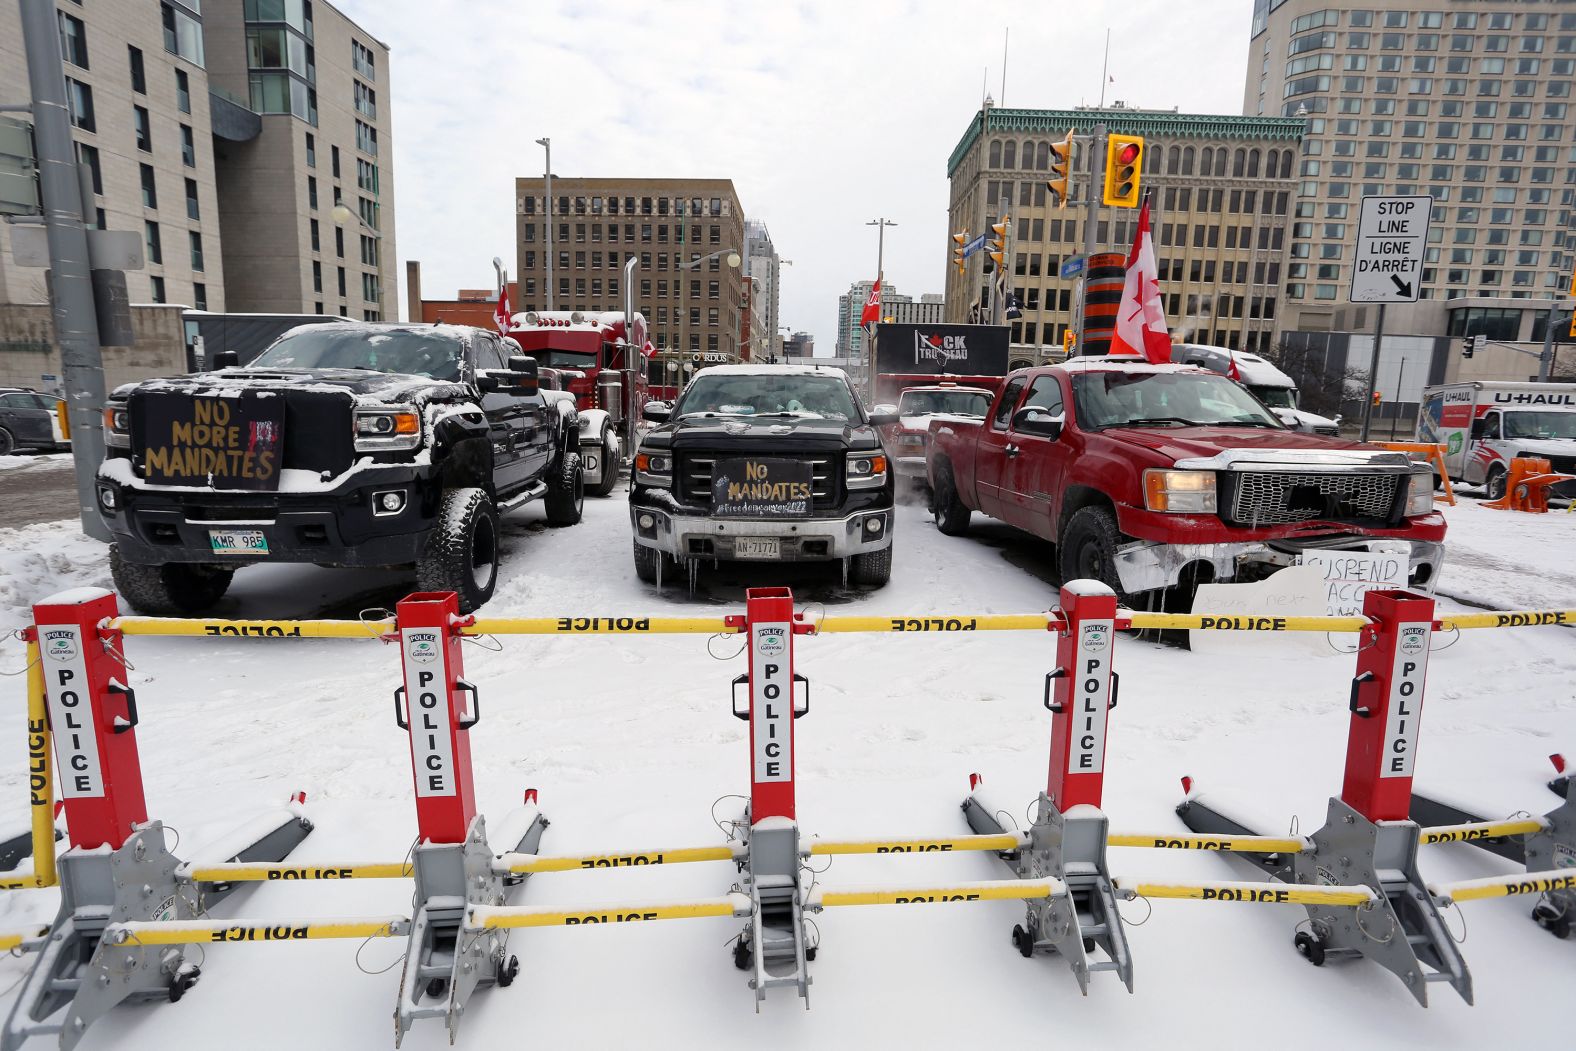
pixel 768 394
pixel 1165 399
pixel 567 359
pixel 957 402
pixel 331 347
pixel 1276 397
pixel 1540 425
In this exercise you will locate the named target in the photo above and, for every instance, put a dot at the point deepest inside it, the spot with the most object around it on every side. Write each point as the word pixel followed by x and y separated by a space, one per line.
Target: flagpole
pixel 1105 67
pixel 880 293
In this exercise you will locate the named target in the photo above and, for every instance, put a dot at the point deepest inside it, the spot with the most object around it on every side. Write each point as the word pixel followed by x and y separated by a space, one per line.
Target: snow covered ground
pixel 630 743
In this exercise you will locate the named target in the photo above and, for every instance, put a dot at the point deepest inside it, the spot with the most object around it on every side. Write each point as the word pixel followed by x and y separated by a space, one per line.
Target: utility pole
pixel 1091 217
pixel 999 305
pixel 547 144
pixel 1546 358
pixel 1373 372
pixel 71 278
pixel 880 290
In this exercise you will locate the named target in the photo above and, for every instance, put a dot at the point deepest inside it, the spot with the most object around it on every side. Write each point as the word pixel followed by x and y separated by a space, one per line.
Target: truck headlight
pixel 117 426
pixel 654 469
pixel 866 470
pixel 1181 492
pixel 1420 493
pixel 380 429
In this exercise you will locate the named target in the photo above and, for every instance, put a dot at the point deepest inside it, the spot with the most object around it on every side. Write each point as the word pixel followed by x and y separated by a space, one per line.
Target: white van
pixel 1485 425
pixel 1266 382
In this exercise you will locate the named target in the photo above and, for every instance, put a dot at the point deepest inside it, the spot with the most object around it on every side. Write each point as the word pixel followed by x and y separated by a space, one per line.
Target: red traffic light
pixel 1128 153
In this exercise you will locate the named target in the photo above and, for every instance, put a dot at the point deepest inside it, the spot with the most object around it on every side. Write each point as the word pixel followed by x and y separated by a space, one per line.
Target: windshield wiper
pixel 1146 421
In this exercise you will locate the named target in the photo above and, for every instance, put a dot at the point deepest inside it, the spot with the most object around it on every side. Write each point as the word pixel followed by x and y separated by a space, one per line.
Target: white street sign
pixel 107 249
pixel 1391 237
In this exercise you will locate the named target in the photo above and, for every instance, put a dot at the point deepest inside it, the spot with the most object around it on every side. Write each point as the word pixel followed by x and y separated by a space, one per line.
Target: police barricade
pixel 461 917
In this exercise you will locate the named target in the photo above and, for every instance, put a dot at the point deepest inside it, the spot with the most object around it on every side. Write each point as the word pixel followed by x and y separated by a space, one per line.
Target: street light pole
pixel 870 349
pixel 547 144
pixel 734 260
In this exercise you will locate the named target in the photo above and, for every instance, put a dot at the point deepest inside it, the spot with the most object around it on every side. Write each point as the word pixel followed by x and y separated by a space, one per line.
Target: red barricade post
pixel 770 623
pixel 1387 704
pixel 93 715
pixel 1083 694
pixel 432 706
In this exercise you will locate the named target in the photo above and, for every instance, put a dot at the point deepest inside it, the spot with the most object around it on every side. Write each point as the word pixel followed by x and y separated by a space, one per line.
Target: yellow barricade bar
pixel 493 917
pixel 1505 886
pixel 1483 830
pixel 1268 893
pixel 1004 841
pixel 16 939
pixel 945 622
pixel 252 629
pixel 598 626
pixel 987 890
pixel 527 864
pixel 1234 844
pixel 1530 618
pixel 249 872
pixel 184 932
pixel 1240 622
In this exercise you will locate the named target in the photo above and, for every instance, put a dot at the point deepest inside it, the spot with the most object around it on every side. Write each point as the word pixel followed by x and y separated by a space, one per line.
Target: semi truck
pixel 1484 425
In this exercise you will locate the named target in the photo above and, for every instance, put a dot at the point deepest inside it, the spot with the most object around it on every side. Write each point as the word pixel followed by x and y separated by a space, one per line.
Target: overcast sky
pixel 824 113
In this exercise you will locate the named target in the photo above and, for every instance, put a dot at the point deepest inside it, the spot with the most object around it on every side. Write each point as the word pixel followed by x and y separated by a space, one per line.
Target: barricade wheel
pixel 1311 948
pixel 507 971
pixel 743 959
pixel 809 954
pixel 436 987
pixel 1023 941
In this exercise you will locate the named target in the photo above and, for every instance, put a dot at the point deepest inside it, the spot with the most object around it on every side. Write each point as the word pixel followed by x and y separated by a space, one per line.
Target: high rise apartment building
pixel 687 233
pixel 850 308
pixel 928 309
pixel 1465 100
pixel 1223 188
pixel 223 133
pixel 764 268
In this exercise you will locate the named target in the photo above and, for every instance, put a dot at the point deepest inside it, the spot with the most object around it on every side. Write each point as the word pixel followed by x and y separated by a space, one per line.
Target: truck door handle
pixel 1013 450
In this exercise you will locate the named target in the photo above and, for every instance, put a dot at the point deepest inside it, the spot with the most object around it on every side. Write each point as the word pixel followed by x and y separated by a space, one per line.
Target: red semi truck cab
pixel 1157 478
pixel 601 360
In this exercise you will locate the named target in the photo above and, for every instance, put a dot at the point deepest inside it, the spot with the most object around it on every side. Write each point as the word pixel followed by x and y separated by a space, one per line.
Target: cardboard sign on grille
pixel 761 487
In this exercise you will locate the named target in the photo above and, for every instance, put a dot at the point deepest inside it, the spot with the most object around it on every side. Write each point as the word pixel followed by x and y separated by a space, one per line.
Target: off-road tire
pixel 609 466
pixel 1088 549
pixel 175 589
pixel 566 492
pixel 872 568
pixel 952 517
pixel 462 552
pixel 1495 482
pixel 7 443
pixel 647 562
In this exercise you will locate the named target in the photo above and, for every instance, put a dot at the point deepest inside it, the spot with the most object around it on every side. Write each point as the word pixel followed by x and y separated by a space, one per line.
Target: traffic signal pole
pixel 70 274
pixel 1091 218
pixel 1373 374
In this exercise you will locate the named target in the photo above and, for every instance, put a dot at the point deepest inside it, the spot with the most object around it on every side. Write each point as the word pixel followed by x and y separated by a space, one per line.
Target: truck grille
pixel 694 480
pixel 1276 498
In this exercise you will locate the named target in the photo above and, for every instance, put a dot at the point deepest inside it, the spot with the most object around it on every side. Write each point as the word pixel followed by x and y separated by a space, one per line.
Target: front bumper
pixel 335 527
pixel 1148 566
pixel 680 535
pixel 594 459
pixel 911 468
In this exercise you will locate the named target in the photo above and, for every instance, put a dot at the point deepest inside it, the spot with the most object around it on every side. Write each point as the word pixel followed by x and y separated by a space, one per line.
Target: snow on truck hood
pixel 1293 417
pixel 367 388
pixel 1213 447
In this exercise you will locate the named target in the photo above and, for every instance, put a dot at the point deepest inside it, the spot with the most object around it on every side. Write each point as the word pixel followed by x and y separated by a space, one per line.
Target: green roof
pixel 1138 122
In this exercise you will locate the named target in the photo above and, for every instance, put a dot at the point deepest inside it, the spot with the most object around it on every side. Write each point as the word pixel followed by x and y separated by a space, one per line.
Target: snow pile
pixel 22 463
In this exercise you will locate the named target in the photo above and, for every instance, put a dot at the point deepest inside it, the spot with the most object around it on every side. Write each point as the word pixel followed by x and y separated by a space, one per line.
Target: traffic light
pixel 1377 399
pixel 1124 156
pixel 1069 340
pixel 958 241
pixel 997 247
pixel 1061 165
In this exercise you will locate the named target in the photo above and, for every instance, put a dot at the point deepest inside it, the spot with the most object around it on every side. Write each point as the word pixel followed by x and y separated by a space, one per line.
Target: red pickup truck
pixel 1157 478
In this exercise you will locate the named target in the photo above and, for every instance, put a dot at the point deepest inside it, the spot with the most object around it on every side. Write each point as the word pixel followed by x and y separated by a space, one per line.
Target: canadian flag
pixel 872 312
pixel 1141 317
pixel 502 315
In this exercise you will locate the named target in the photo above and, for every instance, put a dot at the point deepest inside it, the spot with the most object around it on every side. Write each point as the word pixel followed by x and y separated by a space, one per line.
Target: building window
pixel 156 287
pixel 311 150
pixel 182 32
pixel 366 101
pixel 79 99
pixel 150 192
pixel 369 212
pixel 192 209
pixel 339 241
pixel 183 91
pixel 155 244
pixel 311 192
pixel 283 93
pixel 369 287
pixel 366 138
pixel 139 78
pixel 367 178
pixel 143 127
pixel 73 40
pixel 333 160
pixel 317 280
pixel 200 295
pixel 361 60
pixel 341 282
pixel 369 251
pixel 196 243
pixel 188 147
pixel 89 156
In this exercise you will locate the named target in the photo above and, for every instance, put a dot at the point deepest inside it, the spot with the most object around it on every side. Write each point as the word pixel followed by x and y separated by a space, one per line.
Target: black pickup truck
pixel 340 445
pixel 774 463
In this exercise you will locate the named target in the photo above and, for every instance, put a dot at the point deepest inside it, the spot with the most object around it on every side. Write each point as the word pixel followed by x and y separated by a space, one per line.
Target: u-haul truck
pixel 1483 426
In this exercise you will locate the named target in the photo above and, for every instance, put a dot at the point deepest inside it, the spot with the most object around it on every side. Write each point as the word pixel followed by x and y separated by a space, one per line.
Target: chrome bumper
pixel 592 458
pixel 910 467
pixel 802 539
pixel 1147 566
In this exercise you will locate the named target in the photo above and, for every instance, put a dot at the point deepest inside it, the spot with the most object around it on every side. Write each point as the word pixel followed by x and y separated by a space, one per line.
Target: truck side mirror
pixel 226 359
pixel 884 409
pixel 526 378
pixel 656 412
pixel 1035 420
pixel 883 419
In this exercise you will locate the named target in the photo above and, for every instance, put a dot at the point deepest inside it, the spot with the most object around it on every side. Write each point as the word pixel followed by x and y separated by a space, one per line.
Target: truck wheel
pixel 952 517
pixel 609 465
pixel 1495 483
pixel 566 492
pixel 1088 549
pixel 462 552
pixel 647 562
pixel 176 589
pixel 873 568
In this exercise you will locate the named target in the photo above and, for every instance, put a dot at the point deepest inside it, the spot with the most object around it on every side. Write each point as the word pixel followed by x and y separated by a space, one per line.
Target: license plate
pixel 757 547
pixel 238 541
pixel 589 462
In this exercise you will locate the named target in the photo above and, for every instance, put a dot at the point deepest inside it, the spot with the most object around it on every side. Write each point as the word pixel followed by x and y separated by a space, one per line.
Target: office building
pixel 764 267
pixel 1222 198
pixel 850 307
pixel 687 233
pixel 928 309
pixel 223 134
pixel 798 345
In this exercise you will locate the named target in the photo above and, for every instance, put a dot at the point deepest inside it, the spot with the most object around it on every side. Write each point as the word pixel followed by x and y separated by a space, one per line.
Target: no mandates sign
pixel 1391 237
